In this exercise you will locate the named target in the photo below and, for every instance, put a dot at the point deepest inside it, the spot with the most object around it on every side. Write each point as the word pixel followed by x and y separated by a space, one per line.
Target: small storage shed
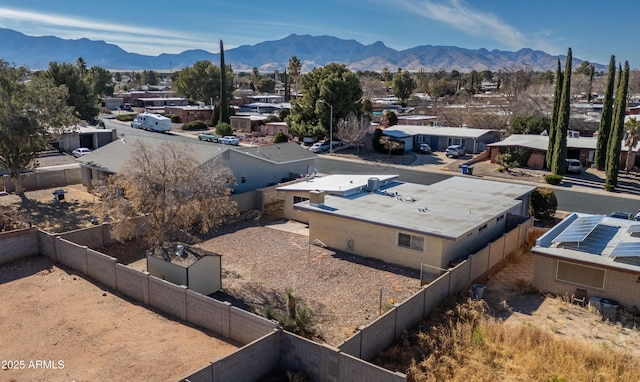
pixel 197 269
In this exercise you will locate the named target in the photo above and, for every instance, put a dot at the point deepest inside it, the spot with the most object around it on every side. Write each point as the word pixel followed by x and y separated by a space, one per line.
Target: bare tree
pixel 633 137
pixel 390 144
pixel 172 189
pixel 353 131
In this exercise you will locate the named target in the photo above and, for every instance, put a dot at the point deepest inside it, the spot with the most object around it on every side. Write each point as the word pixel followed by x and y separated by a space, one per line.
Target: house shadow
pixel 25 267
pixel 377 264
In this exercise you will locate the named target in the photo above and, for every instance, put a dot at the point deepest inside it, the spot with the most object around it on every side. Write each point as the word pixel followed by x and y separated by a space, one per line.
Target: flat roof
pixel 410 130
pixel 449 209
pixel 336 184
pixel 541 142
pixel 606 243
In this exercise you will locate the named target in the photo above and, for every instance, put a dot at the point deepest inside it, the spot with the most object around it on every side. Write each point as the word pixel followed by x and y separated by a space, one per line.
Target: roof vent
pixel 180 251
pixel 373 184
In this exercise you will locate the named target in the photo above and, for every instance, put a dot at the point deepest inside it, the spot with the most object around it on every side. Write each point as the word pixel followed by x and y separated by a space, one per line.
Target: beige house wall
pixel 372 240
pixel 289 211
pixel 620 286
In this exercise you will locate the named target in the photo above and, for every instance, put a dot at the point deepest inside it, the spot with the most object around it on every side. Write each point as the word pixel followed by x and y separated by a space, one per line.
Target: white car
pixel 229 140
pixel 319 147
pixel 574 166
pixel 80 151
pixel 455 151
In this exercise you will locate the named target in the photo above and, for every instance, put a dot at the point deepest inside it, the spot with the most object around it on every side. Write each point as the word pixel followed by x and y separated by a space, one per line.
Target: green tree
pixel 529 124
pixel 543 203
pixel 615 140
pixel 385 74
pixel 117 77
pixel 389 118
pixel 332 86
pixel 403 86
pixel 101 81
pixel 280 137
pixel 81 95
pixel 223 128
pixel 201 82
pixel 294 67
pixel 632 137
pixel 558 165
pixel 266 85
pixel 150 77
pixel 604 130
pixel 224 96
pixel 31 113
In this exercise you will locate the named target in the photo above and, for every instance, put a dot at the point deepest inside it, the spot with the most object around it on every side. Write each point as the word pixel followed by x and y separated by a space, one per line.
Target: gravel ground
pixel 342 290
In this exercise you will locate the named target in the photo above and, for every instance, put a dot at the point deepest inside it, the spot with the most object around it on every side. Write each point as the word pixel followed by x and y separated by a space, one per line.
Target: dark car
pixel 424 149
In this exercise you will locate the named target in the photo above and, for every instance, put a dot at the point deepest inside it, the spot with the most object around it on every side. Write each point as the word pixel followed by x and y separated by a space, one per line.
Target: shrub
pixel 272 118
pixel 280 138
pixel 125 117
pixel 194 125
pixel 379 147
pixel 224 129
pixel 543 203
pixel 173 117
pixel 513 157
pixel 553 179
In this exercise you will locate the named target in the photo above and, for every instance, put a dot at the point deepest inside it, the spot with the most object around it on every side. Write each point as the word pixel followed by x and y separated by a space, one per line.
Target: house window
pixel 580 274
pixel 299 199
pixel 499 218
pixel 455 141
pixel 482 228
pixel 243 180
pixel 410 241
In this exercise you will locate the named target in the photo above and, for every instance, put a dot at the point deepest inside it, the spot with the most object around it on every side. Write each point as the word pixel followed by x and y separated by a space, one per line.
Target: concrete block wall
pixel 459 277
pixel 44 179
pixel 102 268
pixel 319 361
pixel 18 244
pixel 511 241
pixel 378 334
pixel 479 263
pixel 71 255
pixel 246 327
pixel 132 283
pixel 250 363
pixel 436 292
pixel 91 236
pixel 208 313
pixel 168 297
pixel 496 250
pixel 47 244
pixel 352 345
pixel 352 369
pixel 410 312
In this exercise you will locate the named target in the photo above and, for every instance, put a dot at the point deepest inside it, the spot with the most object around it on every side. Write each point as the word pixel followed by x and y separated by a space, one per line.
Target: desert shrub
pixel 298 317
pixel 194 125
pixel 125 117
pixel 513 157
pixel 543 203
pixel 173 117
pixel 379 147
pixel 553 179
pixel 280 138
pixel 272 118
pixel 223 128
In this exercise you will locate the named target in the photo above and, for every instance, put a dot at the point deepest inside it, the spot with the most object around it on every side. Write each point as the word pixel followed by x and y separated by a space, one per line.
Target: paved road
pixel 568 200
pixel 581 200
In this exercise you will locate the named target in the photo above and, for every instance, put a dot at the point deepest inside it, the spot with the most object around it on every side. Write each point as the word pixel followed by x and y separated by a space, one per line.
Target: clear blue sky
pixel 593 29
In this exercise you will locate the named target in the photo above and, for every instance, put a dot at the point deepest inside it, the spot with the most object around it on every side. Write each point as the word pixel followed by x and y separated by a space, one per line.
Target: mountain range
pixel 312 51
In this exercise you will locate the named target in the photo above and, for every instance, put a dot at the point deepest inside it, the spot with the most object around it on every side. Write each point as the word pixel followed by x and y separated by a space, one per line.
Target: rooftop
pixel 449 209
pixel 541 142
pixel 596 239
pixel 410 130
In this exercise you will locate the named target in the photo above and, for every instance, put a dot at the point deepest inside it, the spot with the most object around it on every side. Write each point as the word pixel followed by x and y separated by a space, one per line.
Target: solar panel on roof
pixel 627 249
pixel 579 229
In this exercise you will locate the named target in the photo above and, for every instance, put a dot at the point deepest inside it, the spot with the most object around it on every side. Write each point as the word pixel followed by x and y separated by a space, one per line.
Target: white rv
pixel 153 122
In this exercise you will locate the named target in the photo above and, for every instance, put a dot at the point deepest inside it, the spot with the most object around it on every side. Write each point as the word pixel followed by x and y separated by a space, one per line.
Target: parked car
pixel 455 151
pixel 319 147
pixel 208 137
pixel 574 166
pixel 424 148
pixel 80 151
pixel 229 140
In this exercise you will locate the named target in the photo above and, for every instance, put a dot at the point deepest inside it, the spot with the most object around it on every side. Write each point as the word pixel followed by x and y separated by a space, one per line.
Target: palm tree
pixel 632 131
pixel 295 69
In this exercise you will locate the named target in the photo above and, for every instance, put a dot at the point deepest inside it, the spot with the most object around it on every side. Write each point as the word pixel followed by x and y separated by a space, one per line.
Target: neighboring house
pixel 439 138
pixel 247 123
pixel 582 149
pixel 404 223
pixel 191 113
pixel 195 268
pixel 417 120
pixel 159 104
pixel 113 103
pixel 273 128
pixel 595 253
pixel 253 167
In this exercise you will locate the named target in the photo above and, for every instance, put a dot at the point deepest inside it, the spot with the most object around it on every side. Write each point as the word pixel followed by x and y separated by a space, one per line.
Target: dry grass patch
pixel 468 344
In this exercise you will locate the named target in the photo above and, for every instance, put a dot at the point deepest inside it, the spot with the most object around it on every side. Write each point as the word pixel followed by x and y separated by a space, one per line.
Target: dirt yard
pixel 342 290
pixel 84 333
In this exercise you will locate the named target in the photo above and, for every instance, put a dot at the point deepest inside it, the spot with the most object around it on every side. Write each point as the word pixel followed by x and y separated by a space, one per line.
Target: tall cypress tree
pixel 287 88
pixel 554 117
pixel 615 140
pixel 224 101
pixel 558 165
pixel 604 130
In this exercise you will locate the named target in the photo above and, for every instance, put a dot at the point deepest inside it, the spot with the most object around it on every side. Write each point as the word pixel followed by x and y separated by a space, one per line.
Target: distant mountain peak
pixel 313 51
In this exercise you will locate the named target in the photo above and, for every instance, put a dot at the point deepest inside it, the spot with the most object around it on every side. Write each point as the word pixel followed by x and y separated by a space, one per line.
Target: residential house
pixel 252 167
pixel 247 122
pixel 91 137
pixel 474 140
pixel 191 113
pixel 598 254
pixel 580 148
pixel 403 223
